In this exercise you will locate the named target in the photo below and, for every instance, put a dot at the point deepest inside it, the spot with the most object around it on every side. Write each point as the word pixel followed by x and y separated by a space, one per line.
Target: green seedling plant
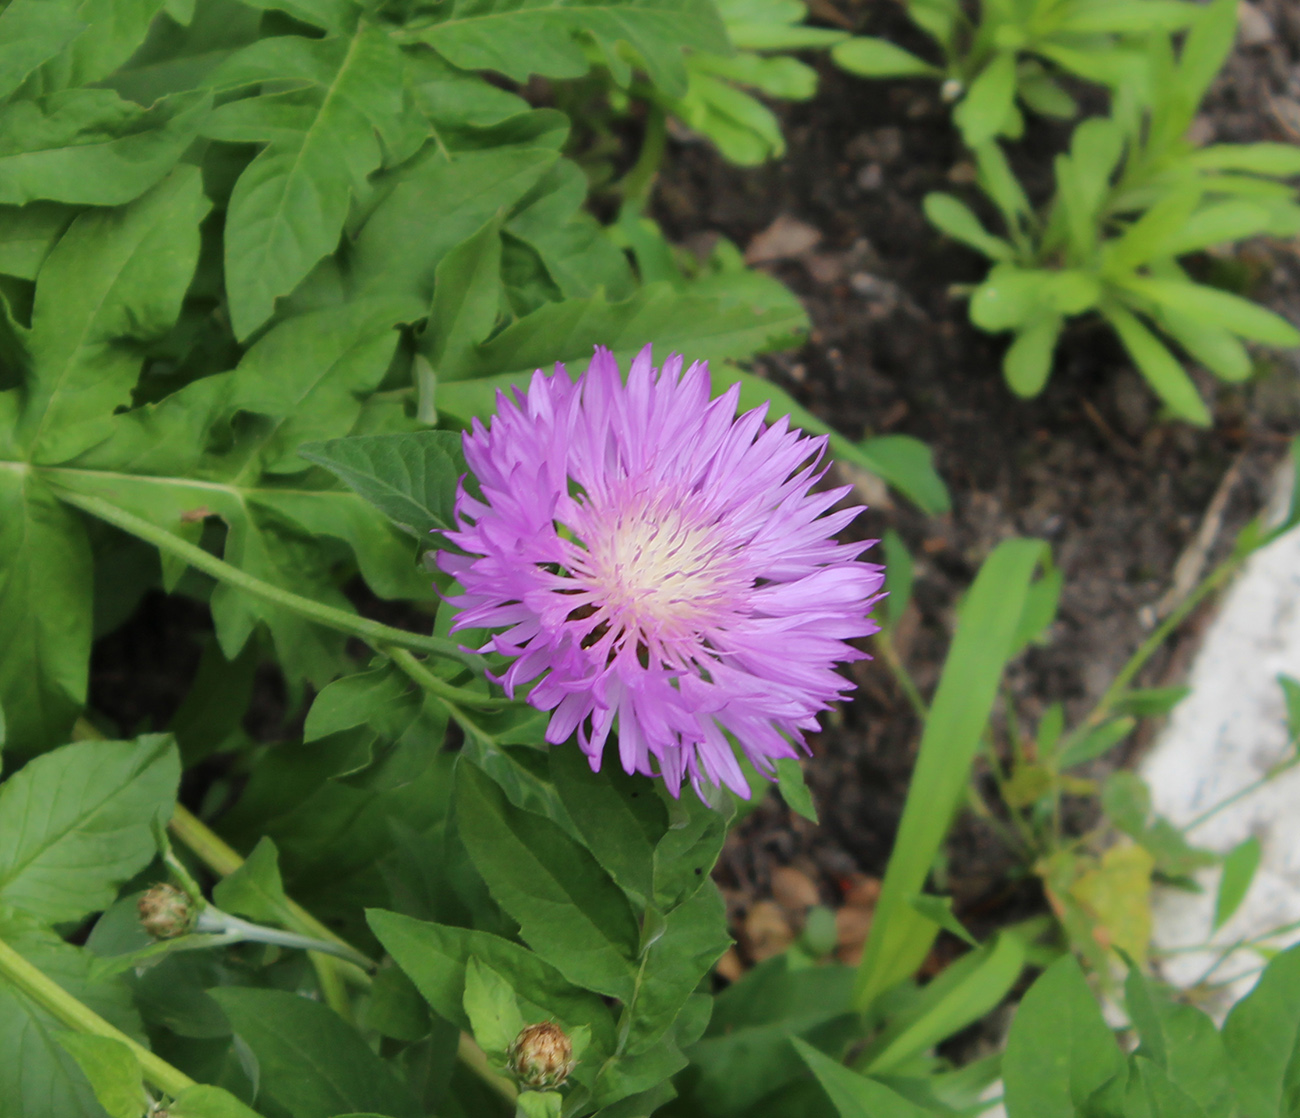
pixel 1011 54
pixel 1133 200
pixel 718 102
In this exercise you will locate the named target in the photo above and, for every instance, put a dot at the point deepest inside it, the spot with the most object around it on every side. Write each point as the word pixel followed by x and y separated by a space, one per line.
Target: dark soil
pixel 1089 466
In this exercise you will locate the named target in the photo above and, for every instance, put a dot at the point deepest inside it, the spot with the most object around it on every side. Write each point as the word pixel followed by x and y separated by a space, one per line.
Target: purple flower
pixel 661 563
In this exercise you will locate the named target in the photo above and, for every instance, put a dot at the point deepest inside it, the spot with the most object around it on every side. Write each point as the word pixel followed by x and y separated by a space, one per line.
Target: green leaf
pixel 466 302
pixel 90 147
pixel 998 181
pixel 113 282
pixel 353 701
pixel 543 37
pixel 114 30
pixel 879 58
pixel 309 375
pixel 794 789
pixel 965 992
pixel 1215 224
pixel 492 1009
pixel 396 249
pixel 1212 346
pixel 1096 742
pixel 1162 371
pixel 619 816
pixel 746 1053
pixel 204 1101
pixel 1239 866
pixel 410 478
pixel 76 823
pixel 112 1069
pixel 1183 1042
pixel 329 15
pixel 47 1080
pixel 1028 360
pixel 694 936
pixel 27 233
pixel 1280 160
pixel 907 464
pixel 1291 695
pixel 1219 308
pixel 45 656
pixel 569 910
pixel 1147 237
pixel 898 577
pixel 435 958
pixel 311 1063
pixel 950 216
pixel 989 99
pixel 699 328
pixel 32 32
pixel 1126 800
pixel 1150 702
pixel 1059 1050
pixel 939 909
pixel 900 936
pixel 1122 17
pixel 323 139
pixel 255 889
pixel 1262 1036
pixel 1009 297
pixel 1204 52
pixel 854 1095
pixel 539 1104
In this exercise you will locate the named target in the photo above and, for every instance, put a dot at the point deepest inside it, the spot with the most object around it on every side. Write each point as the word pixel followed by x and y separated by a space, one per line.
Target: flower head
pixel 541 1056
pixel 662 565
pixel 166 912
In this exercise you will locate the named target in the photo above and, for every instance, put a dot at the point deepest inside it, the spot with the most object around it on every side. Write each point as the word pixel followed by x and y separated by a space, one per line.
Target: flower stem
pixel 373 633
pixel 421 675
pixel 223 859
pixel 888 653
pixel 50 996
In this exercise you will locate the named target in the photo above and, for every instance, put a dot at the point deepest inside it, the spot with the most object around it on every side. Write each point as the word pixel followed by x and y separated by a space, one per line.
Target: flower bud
pixel 541 1056
pixel 166 912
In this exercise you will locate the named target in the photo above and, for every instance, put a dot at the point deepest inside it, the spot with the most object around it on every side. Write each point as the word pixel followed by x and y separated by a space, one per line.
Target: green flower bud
pixel 541 1056
pixel 166 912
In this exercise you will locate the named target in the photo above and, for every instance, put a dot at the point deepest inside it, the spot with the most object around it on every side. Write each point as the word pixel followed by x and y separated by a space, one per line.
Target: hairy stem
pixel 53 998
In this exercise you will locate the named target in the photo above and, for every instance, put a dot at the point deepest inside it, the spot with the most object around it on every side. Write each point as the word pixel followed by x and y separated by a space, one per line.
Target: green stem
pixel 372 632
pixel 213 921
pixel 888 653
pixel 639 181
pixel 1241 793
pixel 437 686
pixel 50 996
pixel 223 859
